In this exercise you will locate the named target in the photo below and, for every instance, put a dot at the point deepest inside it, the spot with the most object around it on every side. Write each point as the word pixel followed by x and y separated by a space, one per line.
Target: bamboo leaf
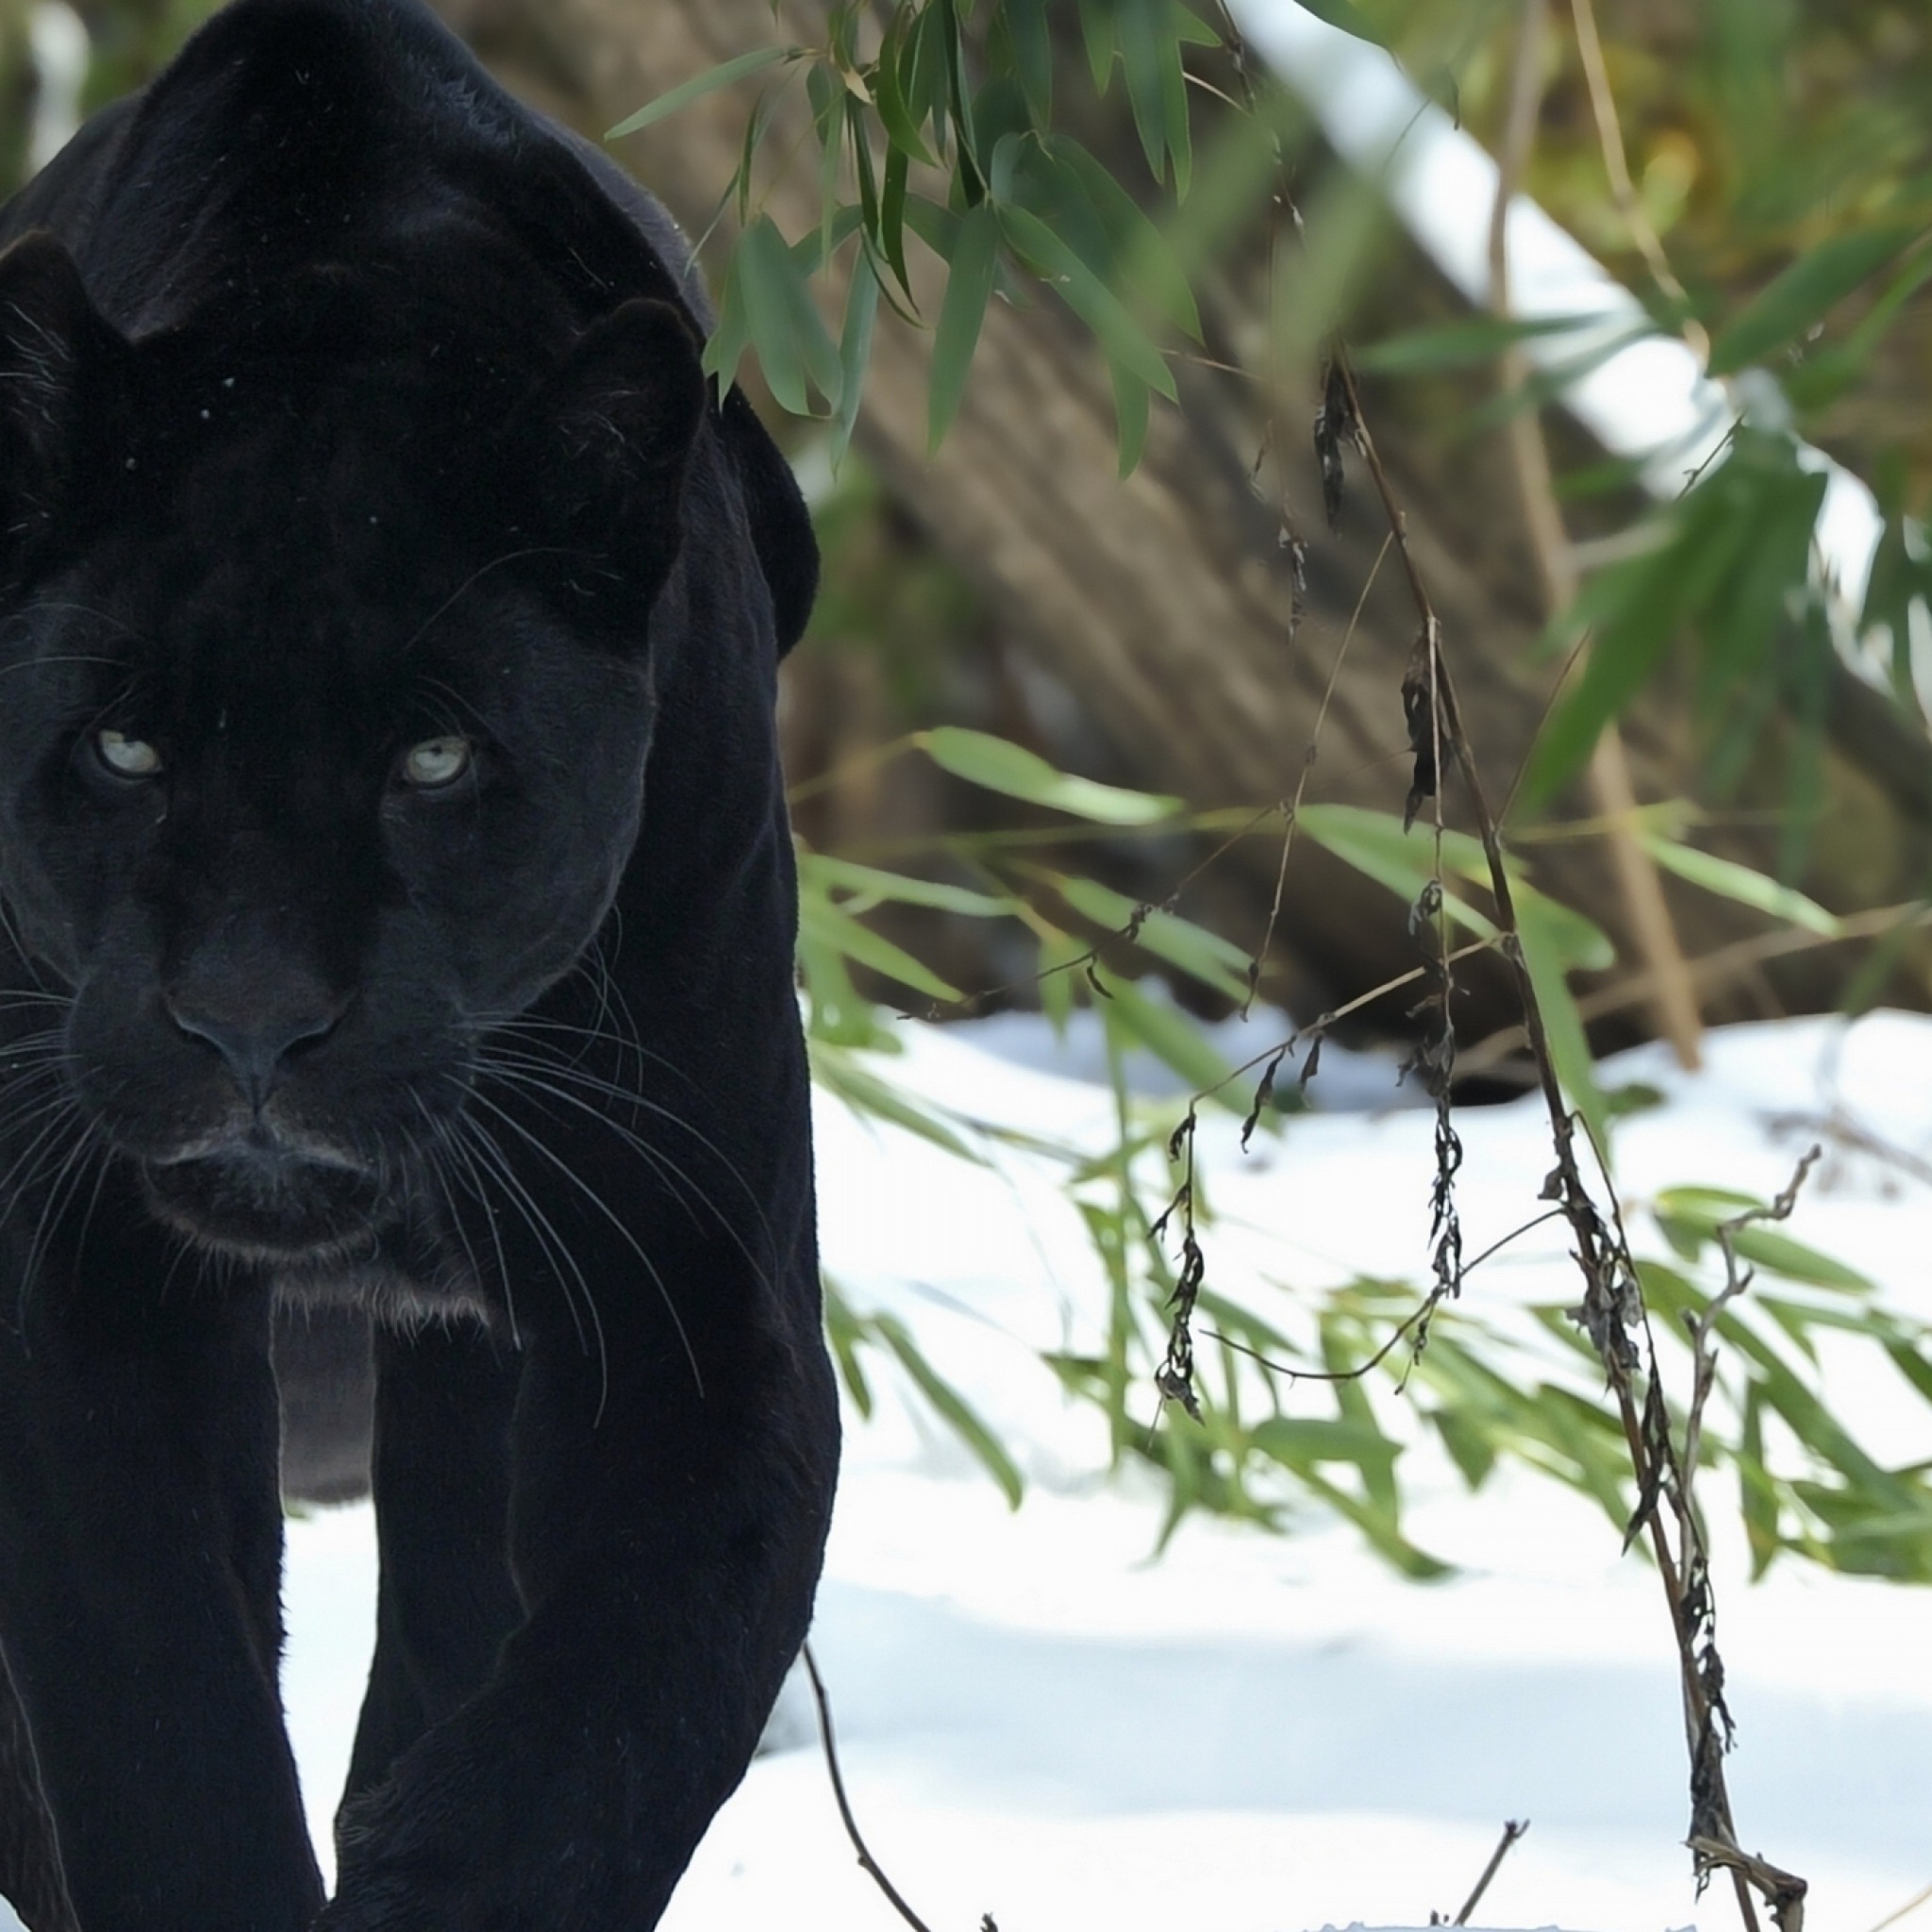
pixel 953 1407
pixel 1143 261
pixel 1459 344
pixel 708 82
pixel 829 925
pixel 1203 954
pixel 1031 40
pixel 892 79
pixel 968 286
pixel 1001 766
pixel 844 1331
pixel 1809 290
pixel 1639 608
pixel 1731 881
pixel 791 340
pixel 1097 30
pixel 891 236
pixel 821 870
pixel 1169 1035
pixel 1375 843
pixel 854 350
pixel 1124 340
pixel 1544 956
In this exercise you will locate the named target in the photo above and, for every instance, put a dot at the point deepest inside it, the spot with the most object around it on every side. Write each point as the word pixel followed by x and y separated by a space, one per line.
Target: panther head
pixel 325 692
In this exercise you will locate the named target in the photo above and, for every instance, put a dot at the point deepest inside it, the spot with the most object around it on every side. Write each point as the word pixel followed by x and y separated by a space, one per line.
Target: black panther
pixel 398 916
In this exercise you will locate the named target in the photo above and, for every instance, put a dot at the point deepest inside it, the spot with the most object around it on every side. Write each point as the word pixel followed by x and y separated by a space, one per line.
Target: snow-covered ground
pixel 1253 1733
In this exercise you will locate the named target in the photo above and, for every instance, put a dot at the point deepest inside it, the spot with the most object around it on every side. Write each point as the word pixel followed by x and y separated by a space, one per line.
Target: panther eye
pixel 436 762
pixel 127 757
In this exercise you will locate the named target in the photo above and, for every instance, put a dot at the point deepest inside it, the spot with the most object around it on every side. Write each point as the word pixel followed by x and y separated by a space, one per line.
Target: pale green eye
pixel 127 757
pixel 436 762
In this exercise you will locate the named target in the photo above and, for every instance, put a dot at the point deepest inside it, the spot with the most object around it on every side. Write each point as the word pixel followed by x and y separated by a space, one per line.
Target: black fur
pixel 399 915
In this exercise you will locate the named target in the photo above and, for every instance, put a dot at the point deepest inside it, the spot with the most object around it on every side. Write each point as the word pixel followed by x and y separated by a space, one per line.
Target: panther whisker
pixel 526 1079
pixel 495 1058
pixel 555 1248
pixel 443 1141
pixel 532 1023
pixel 59 1192
pixel 610 1213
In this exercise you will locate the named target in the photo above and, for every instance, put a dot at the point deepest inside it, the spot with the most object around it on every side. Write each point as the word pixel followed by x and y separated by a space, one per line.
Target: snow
pixel 1253 1733
pixel 1040 1720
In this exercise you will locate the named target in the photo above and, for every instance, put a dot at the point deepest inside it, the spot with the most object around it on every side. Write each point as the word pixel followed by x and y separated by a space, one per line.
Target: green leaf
pixel 1001 766
pixel 1031 37
pixel 1545 954
pixel 893 79
pixel 1804 293
pixel 1122 340
pixel 1694 1214
pixel 1375 843
pixel 1129 418
pixel 732 336
pixel 854 350
pixel 791 340
pixel 953 1407
pixel 968 286
pixel 844 1331
pixel 1901 577
pixel 829 925
pixel 1097 30
pixel 1156 86
pixel 1639 608
pixel 819 869
pixel 1143 260
pixel 1757 1495
pixel 705 83
pixel 1458 345
pixel 1731 881
pixel 1302 1442
pixel 1468 1443
pixel 1169 1035
pixel 1203 954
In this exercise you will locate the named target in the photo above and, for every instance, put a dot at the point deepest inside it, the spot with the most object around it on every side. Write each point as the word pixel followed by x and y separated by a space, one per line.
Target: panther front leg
pixel 667 1547
pixel 440 1470
pixel 672 1472
pixel 139 1570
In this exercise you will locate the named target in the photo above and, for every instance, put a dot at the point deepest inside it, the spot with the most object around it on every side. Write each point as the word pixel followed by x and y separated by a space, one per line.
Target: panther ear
pixel 607 437
pixel 61 366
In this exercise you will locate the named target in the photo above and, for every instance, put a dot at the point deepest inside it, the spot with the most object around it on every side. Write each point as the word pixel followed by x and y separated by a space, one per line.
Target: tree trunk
pixel 1163 602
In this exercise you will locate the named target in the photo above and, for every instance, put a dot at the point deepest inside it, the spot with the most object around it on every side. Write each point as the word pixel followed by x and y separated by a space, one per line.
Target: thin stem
pixel 867 1861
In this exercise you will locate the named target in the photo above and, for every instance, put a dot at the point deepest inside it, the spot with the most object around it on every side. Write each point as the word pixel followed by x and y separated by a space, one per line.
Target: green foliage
pixel 1724 584
pixel 1025 204
pixel 1312 1401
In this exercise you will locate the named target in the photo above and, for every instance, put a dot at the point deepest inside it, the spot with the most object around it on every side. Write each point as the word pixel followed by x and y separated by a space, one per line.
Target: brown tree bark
pixel 1163 602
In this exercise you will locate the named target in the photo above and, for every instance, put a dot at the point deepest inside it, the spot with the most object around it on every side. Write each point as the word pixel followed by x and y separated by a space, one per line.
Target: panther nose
pixel 256 1046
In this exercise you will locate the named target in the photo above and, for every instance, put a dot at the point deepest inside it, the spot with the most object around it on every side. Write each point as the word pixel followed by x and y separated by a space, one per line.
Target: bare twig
pixel 867 1861
pixel 1613 1308
pixel 1512 1830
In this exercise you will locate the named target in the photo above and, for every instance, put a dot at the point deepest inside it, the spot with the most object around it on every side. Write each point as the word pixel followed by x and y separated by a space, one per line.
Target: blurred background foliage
pixel 990 257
